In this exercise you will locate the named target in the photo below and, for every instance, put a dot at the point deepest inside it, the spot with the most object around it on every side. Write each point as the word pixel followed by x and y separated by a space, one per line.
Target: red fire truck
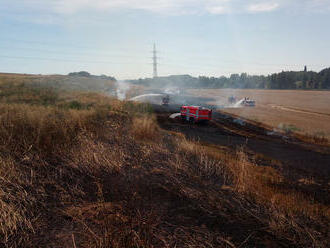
pixel 195 114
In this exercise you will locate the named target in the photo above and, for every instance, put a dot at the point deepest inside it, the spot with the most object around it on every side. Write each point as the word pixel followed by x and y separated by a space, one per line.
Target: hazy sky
pixel 197 37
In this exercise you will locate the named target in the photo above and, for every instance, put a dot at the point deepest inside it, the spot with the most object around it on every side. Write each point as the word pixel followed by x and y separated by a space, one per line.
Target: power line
pixel 111 62
pixel 198 58
pixel 51 43
pixel 155 62
pixel 241 62
pixel 61 60
pixel 64 52
pixel 62 45
pixel 188 65
pixel 209 66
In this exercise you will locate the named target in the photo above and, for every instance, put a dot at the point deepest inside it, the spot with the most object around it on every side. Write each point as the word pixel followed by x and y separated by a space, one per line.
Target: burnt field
pixel 294 170
pixel 296 159
pixel 302 112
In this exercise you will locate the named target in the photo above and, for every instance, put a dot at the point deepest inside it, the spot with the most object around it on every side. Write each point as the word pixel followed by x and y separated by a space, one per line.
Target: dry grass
pixel 265 185
pixel 145 128
pixel 58 82
pixel 32 139
pixel 36 138
pixel 100 173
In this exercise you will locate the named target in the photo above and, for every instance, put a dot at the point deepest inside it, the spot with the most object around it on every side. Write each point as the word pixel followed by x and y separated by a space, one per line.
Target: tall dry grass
pixel 33 139
pixel 45 138
pixel 145 128
pixel 289 210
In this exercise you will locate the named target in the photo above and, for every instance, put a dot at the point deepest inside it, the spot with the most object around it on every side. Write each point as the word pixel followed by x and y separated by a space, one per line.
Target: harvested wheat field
pixel 305 112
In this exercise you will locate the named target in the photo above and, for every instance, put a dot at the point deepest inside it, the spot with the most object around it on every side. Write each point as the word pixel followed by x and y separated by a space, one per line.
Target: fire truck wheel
pixel 183 119
pixel 191 120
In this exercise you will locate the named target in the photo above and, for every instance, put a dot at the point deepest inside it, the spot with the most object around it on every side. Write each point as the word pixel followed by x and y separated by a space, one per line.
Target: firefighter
pixel 166 100
pixel 231 99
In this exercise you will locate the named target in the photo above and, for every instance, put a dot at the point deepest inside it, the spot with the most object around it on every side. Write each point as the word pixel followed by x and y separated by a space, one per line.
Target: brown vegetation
pixel 85 170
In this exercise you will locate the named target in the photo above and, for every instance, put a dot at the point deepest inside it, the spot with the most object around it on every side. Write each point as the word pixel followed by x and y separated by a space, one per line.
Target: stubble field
pixel 304 112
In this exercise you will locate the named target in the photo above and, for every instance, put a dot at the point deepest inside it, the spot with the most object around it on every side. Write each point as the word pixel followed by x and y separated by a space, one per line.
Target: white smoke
pixel 224 103
pixel 122 88
pixel 172 91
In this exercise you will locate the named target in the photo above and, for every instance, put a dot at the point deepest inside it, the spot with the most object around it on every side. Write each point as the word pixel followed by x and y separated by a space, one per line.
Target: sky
pixel 196 37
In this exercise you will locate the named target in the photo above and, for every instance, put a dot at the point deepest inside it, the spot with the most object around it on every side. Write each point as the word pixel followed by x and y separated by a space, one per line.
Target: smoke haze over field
pixel 122 88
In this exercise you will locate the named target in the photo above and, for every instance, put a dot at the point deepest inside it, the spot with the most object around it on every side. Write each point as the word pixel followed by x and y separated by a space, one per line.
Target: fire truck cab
pixel 195 114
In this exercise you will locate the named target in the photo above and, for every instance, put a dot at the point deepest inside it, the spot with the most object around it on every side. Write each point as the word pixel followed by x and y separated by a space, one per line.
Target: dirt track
pixel 298 160
pixel 296 110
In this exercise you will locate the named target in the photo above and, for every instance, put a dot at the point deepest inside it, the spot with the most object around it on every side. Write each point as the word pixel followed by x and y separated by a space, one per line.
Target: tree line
pixel 283 80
